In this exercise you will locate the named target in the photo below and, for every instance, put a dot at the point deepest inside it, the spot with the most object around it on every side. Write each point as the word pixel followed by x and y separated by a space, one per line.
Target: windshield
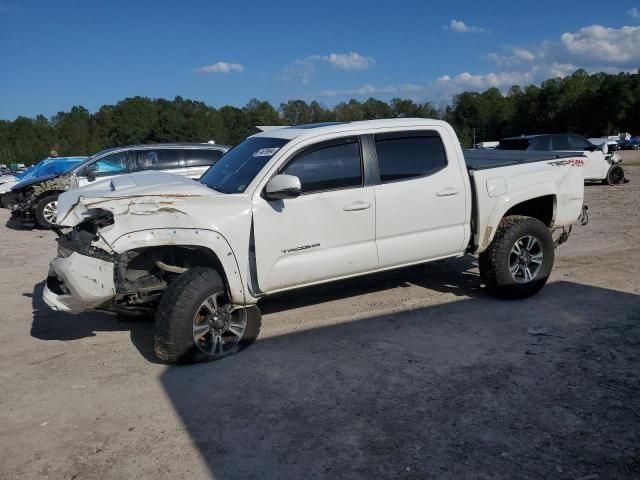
pixel 239 166
pixel 51 167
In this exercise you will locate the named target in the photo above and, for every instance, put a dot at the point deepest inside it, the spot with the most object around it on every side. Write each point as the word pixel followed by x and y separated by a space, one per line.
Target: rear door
pixel 325 233
pixel 420 201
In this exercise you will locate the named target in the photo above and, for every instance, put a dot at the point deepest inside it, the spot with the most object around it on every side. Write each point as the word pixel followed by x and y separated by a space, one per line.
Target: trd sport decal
pixel 301 247
pixel 574 162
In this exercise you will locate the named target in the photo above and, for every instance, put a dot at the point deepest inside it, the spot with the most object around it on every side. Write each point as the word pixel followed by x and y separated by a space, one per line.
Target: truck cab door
pixel 328 231
pixel 422 209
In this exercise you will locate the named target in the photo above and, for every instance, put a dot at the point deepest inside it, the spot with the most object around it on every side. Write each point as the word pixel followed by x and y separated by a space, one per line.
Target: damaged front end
pixel 90 274
pixel 23 198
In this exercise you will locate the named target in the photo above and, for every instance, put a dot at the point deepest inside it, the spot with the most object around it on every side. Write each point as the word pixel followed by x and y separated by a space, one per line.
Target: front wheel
pixel 47 211
pixel 195 321
pixel 615 176
pixel 518 262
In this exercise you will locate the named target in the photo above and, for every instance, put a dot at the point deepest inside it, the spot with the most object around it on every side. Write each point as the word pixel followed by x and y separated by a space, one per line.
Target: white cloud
pixel 349 61
pixel 516 56
pixel 599 45
pixel 222 67
pixel 634 13
pixel 593 48
pixel 369 89
pixel 459 26
pixel 302 70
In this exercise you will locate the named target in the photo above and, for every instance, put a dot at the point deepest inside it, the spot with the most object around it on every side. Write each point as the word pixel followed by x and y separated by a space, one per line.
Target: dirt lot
pixel 413 374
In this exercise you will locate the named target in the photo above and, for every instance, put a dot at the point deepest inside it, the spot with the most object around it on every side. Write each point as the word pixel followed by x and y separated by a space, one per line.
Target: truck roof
pixel 315 129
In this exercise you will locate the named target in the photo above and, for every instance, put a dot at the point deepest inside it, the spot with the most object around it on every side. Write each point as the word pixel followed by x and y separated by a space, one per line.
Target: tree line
pixel 591 105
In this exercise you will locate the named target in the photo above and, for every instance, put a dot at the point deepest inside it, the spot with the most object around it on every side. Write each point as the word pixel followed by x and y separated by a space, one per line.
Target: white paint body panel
pixel 89 280
pixel 597 163
pixel 312 238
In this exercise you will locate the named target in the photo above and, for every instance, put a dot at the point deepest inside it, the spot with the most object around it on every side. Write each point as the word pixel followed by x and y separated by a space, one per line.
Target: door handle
pixel 355 206
pixel 448 192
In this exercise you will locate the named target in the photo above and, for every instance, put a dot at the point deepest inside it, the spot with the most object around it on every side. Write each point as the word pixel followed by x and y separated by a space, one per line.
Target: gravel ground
pixel 410 374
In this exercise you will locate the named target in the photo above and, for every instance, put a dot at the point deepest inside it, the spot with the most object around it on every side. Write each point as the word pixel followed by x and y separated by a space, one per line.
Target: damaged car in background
pixel 600 163
pixel 300 206
pixel 34 202
pixel 45 168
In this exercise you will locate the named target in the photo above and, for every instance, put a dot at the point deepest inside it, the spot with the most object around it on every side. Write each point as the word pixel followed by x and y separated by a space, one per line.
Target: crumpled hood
pixel 138 193
pixel 33 181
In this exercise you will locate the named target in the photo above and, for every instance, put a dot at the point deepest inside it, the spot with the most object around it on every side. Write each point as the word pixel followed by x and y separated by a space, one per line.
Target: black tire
pixel 495 261
pixel 615 176
pixel 4 201
pixel 180 304
pixel 42 214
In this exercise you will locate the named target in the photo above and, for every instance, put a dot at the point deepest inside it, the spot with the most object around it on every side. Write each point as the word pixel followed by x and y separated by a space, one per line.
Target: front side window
pixel 240 165
pixel 328 166
pixel 113 164
pixel 406 155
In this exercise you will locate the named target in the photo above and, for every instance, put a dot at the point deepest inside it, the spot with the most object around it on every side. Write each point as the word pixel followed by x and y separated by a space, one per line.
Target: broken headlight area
pixel 56 285
pixel 80 238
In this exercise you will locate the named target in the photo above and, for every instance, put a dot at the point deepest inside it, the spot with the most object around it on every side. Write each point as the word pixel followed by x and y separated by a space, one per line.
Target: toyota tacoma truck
pixel 299 206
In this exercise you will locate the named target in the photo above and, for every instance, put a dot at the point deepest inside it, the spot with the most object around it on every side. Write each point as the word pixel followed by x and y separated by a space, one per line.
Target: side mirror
pixel 283 186
pixel 605 148
pixel 91 173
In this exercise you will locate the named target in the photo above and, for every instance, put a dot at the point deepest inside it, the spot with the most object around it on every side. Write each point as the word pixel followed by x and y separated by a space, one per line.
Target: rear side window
pixel 328 166
pixel 157 159
pixel 407 155
pixel 560 142
pixel 202 158
pixel 542 142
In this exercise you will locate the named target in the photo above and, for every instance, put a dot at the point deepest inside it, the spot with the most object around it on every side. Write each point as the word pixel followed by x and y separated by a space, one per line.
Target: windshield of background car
pixel 238 167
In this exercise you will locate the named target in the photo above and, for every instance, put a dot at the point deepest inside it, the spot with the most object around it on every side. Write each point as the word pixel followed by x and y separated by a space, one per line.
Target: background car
pixel 35 201
pixel 600 164
pixel 48 166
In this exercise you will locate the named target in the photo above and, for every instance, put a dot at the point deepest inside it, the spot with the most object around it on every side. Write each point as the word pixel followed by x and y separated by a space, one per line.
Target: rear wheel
pixel 196 322
pixel 47 211
pixel 615 175
pixel 518 262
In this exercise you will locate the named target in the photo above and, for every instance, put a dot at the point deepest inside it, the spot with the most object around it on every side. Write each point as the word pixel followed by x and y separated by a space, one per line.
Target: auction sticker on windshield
pixel 266 152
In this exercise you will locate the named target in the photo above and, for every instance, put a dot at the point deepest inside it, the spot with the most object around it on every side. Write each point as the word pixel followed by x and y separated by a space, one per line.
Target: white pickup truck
pixel 299 206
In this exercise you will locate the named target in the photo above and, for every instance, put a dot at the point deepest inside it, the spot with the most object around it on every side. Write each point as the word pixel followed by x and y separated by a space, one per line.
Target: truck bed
pixel 484 159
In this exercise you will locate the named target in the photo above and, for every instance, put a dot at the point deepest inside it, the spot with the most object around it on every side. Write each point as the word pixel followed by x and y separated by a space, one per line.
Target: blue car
pixel 47 167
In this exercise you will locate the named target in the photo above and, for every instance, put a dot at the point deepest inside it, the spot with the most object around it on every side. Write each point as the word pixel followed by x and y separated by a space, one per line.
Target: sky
pixel 57 54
